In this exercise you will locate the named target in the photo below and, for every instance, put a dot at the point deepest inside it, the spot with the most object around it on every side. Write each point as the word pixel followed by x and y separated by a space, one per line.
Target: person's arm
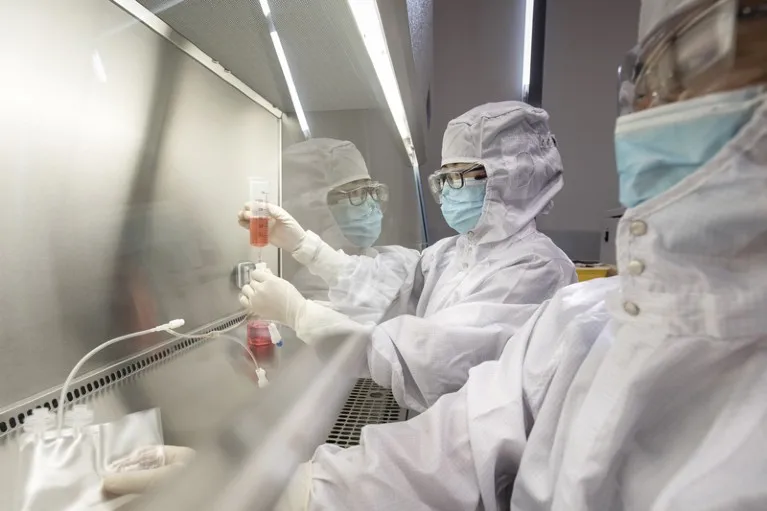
pixel 421 359
pixel 465 451
pixel 428 462
pixel 362 286
pixel 446 458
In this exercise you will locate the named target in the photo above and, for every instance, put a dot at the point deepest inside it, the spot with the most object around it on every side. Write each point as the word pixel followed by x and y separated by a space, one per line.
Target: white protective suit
pixel 646 391
pixel 310 170
pixel 465 296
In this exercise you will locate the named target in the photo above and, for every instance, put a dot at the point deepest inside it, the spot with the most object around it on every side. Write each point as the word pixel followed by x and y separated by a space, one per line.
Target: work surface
pixel 204 390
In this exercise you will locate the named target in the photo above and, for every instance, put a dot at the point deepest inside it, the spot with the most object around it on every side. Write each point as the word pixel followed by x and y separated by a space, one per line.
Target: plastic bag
pixel 64 473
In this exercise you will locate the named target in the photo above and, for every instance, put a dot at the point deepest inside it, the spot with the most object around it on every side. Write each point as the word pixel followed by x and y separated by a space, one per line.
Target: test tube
pixel 259 220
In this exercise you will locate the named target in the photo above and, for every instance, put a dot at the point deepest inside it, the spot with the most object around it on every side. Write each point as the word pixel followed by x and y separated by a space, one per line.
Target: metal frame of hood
pixel 152 21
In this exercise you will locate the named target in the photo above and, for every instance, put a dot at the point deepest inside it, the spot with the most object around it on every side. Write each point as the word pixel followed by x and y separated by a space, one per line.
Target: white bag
pixel 64 473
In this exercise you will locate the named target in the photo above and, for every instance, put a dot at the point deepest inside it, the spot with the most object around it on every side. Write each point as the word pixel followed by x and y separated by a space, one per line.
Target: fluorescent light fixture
pixel 283 59
pixel 528 49
pixel 369 23
pixel 265 8
pixel 291 84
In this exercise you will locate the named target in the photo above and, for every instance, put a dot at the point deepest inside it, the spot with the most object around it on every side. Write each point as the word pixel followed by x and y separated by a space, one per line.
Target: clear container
pixel 260 342
pixel 259 220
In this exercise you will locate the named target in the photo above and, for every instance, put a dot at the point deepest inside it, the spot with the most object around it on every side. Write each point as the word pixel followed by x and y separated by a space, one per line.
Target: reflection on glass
pixel 329 191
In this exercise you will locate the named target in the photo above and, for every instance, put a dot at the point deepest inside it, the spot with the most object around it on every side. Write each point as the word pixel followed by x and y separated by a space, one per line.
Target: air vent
pixel 368 403
pixel 12 418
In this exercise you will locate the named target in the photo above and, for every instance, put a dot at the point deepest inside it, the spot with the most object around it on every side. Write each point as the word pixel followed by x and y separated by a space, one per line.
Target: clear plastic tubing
pixel 259 220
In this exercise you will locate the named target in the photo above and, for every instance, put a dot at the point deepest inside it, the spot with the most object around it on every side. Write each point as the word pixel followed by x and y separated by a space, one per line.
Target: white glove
pixel 284 231
pixel 274 299
pixel 271 298
pixel 145 468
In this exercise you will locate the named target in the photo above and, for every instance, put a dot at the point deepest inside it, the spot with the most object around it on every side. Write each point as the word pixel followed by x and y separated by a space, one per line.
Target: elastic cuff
pixel 308 248
pixel 320 258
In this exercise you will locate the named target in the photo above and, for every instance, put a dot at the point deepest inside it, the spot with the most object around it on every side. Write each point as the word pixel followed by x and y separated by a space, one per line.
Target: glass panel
pixel 145 135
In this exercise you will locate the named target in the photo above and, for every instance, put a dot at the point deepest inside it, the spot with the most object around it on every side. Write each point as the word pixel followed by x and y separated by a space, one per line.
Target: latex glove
pixel 275 299
pixel 145 468
pixel 271 298
pixel 284 231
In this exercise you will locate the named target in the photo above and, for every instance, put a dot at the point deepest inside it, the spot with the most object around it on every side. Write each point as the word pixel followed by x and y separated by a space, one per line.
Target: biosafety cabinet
pixel 129 131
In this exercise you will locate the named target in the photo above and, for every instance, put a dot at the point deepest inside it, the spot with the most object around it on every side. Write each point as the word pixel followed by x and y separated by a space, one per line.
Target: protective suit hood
pixel 313 168
pixel 602 378
pixel 513 142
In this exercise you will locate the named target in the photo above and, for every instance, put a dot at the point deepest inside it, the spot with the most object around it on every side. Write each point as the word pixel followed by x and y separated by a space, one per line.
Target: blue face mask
pixel 462 208
pixel 361 224
pixel 658 148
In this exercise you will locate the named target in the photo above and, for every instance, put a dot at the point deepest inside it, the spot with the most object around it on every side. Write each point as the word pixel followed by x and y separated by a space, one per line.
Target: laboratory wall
pixel 477 59
pixel 124 162
pixel 585 43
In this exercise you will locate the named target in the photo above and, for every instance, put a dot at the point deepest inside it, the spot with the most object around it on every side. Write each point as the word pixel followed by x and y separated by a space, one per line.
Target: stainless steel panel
pixel 334 77
pixel 124 162
pixel 247 463
pixel 234 33
pixel 318 36
pixel 197 389
pixel 208 400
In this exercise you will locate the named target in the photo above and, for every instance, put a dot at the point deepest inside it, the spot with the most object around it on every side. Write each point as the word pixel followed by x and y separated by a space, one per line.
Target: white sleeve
pixel 360 286
pixel 424 463
pixel 366 289
pixel 423 358
pixel 431 461
pixel 465 451
pixel 320 258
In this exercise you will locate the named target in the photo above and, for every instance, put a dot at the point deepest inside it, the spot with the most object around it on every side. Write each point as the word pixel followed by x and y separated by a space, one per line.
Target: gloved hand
pixel 145 468
pixel 275 299
pixel 271 298
pixel 284 231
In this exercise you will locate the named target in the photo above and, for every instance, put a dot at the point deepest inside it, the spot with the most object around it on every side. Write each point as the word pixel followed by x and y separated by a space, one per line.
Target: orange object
pixel 259 231
pixel 260 341
pixel 594 272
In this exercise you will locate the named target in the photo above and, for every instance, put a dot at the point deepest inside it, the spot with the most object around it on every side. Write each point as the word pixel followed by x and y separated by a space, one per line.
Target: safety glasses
pixel 687 54
pixel 454 178
pixel 357 196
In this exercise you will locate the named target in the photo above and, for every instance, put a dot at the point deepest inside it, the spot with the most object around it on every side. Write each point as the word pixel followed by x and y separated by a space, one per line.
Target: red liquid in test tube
pixel 260 341
pixel 259 231
pixel 259 210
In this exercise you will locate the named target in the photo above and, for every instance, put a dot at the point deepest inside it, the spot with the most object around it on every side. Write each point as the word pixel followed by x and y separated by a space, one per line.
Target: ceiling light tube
pixel 291 84
pixel 369 23
pixel 527 57
pixel 283 59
